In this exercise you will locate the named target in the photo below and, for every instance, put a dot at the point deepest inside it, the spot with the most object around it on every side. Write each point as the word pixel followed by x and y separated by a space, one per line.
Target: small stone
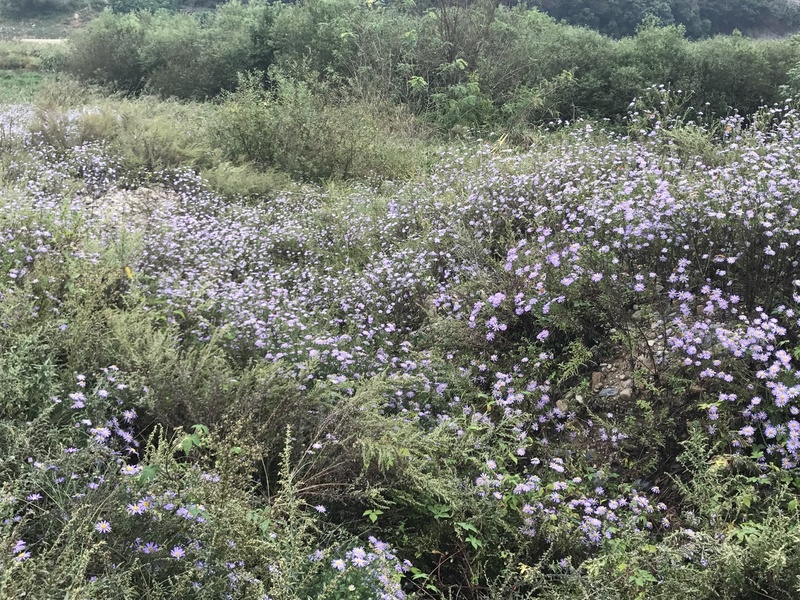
pixel 626 394
pixel 562 406
pixel 609 392
pixel 597 381
pixel 579 399
pixel 637 316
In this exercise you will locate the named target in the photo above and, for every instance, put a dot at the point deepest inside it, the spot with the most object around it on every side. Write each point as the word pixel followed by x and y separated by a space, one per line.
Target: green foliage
pixel 189 59
pixel 472 68
pixel 700 17
pixel 108 51
pixel 247 182
pixel 29 56
pixel 19 87
pixel 463 106
pixel 35 8
pixel 312 135
pixel 577 358
pixel 128 6
pixel 288 467
pixel 170 54
pixel 147 135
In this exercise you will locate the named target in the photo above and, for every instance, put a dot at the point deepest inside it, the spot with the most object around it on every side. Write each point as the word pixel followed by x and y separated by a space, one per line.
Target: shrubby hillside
pixel 462 68
pixel 473 371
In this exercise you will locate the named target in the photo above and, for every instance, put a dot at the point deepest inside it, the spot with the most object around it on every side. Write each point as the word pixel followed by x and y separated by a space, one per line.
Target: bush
pixel 170 54
pixel 187 59
pixel 721 72
pixel 312 135
pixel 108 52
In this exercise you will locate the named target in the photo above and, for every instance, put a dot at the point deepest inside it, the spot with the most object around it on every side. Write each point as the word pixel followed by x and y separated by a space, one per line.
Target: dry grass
pixel 30 54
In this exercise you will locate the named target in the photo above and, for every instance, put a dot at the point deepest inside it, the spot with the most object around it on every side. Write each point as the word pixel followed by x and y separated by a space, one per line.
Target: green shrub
pixel 171 54
pixel 316 37
pixel 246 182
pixel 312 136
pixel 187 59
pixel 722 71
pixel 108 52
pixel 146 134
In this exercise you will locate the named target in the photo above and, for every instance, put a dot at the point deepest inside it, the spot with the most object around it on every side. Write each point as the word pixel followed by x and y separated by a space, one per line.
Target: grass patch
pixel 31 54
pixel 18 86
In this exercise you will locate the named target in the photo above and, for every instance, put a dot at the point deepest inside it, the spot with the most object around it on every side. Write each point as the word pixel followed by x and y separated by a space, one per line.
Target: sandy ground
pixel 43 40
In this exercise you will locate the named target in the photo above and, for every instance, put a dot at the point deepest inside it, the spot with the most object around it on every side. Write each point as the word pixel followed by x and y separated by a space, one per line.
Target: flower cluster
pixel 376 570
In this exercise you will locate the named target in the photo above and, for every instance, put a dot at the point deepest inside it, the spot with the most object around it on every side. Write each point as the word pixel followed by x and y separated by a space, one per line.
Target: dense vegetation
pixel 617 18
pixel 276 323
pixel 701 18
pixel 480 67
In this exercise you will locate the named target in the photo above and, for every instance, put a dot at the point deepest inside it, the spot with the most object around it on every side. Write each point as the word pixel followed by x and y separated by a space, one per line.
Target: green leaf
pixel 640 577
pixel 372 514
pixel 466 526
pixel 200 429
pixel 417 573
pixel 148 473
pixel 186 444
pixel 476 543
pixel 264 526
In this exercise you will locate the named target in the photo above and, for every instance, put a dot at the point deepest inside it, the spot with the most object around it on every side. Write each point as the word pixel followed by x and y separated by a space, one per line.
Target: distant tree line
pixel 615 18
pixel 701 18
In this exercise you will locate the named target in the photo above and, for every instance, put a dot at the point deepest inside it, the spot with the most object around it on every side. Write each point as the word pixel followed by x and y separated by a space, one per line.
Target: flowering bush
pixel 550 359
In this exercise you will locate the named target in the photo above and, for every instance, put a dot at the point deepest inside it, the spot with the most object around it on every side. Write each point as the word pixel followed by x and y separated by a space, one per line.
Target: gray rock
pixel 626 394
pixel 608 392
